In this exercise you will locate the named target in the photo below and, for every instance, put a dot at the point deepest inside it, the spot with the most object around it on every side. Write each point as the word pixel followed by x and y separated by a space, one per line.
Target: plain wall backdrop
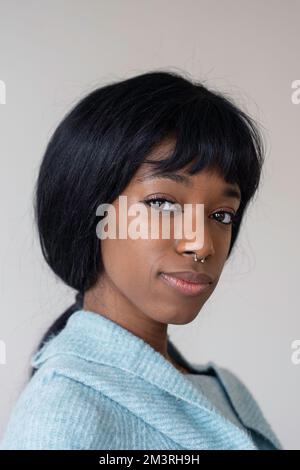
pixel 54 52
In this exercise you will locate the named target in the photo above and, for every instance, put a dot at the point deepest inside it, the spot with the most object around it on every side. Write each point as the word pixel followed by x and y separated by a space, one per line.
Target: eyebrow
pixel 228 190
pixel 178 178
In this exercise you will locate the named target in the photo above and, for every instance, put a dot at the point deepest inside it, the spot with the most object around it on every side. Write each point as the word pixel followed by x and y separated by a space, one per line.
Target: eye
pixel 229 217
pixel 163 204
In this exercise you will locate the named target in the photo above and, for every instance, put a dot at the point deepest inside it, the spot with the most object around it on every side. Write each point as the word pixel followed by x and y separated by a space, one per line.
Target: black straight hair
pixel 102 141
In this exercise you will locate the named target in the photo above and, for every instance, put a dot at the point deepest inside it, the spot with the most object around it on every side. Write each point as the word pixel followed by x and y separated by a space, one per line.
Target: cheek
pixel 132 264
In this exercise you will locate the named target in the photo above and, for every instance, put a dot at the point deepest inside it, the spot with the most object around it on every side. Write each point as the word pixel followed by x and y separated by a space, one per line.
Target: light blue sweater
pixel 98 386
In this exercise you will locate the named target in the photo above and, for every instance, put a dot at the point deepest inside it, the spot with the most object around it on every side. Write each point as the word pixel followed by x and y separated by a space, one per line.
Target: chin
pixel 179 315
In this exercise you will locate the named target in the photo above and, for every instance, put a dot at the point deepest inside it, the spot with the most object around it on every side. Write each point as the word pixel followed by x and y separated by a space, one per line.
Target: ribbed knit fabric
pixel 211 387
pixel 98 386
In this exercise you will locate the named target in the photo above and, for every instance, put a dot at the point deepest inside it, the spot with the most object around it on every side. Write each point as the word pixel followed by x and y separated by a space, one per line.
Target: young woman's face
pixel 134 267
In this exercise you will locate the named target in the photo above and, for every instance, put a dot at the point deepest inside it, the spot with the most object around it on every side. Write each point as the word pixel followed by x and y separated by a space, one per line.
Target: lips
pixel 187 283
pixel 190 276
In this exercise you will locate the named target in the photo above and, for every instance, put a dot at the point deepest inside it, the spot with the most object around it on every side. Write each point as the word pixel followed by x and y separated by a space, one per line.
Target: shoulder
pixel 55 411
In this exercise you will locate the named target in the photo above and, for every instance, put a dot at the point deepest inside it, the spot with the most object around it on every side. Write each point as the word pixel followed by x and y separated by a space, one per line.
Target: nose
pixel 201 245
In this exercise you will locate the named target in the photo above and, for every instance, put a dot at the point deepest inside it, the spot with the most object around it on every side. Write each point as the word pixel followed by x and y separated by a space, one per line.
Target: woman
pixel 106 375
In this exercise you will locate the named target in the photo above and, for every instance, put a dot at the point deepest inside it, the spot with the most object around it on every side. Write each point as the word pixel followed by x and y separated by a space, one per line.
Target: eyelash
pixel 234 217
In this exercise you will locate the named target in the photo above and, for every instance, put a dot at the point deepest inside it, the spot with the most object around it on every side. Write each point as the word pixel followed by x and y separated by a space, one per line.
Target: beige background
pixel 53 52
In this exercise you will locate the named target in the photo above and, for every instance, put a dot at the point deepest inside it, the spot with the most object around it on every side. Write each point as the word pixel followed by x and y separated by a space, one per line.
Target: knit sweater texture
pixel 98 386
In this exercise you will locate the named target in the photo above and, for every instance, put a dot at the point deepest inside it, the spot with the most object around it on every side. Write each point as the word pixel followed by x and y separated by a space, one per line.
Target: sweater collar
pixel 103 354
pixel 238 395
